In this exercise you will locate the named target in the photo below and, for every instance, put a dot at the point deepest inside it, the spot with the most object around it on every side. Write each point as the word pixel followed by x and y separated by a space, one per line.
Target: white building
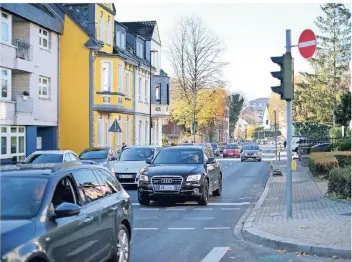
pixel 29 70
pixel 266 119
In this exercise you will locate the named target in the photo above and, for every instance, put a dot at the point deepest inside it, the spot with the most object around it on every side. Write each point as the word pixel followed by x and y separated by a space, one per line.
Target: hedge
pixel 340 182
pixel 344 145
pixel 321 163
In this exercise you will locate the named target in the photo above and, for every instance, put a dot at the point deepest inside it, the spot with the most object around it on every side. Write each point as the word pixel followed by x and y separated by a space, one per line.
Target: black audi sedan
pixel 180 173
pixel 74 211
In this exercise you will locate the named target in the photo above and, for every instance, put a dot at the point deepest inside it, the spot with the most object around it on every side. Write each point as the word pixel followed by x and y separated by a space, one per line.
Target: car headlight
pixel 143 178
pixel 194 177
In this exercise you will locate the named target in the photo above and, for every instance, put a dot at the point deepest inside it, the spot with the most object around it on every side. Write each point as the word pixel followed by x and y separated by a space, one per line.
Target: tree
pixel 235 105
pixel 343 110
pixel 323 89
pixel 250 131
pixel 195 54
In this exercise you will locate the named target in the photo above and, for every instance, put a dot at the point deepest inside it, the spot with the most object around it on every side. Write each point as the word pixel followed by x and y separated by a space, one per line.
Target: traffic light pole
pixel 289 141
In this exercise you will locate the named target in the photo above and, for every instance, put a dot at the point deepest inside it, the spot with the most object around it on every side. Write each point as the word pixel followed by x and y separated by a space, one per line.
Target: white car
pixel 51 156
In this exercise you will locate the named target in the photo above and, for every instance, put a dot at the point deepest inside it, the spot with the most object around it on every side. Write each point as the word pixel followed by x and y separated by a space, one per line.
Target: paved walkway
pixel 318 225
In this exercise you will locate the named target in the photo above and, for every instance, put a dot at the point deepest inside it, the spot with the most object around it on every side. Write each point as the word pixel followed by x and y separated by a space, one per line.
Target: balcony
pixel 160 111
pixel 24 53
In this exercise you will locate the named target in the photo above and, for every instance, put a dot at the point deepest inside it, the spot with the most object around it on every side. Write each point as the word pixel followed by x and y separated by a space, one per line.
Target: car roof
pixel 183 147
pixel 54 152
pixel 146 146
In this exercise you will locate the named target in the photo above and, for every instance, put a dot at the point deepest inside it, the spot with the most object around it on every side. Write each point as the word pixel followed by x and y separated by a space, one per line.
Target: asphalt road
pixel 191 233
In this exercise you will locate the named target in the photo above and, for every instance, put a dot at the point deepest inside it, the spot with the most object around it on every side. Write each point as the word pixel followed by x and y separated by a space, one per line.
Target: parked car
pixel 52 212
pixel 51 156
pixel 231 150
pixel 215 149
pixel 131 160
pixel 180 173
pixel 221 147
pixel 251 152
pixel 105 156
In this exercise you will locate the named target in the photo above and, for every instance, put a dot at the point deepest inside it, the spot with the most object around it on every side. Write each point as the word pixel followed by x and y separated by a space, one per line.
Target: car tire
pixel 143 200
pixel 123 245
pixel 203 200
pixel 218 191
pixel 260 160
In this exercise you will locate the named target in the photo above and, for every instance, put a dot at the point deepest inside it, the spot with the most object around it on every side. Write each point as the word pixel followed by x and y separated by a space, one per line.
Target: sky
pixel 251 34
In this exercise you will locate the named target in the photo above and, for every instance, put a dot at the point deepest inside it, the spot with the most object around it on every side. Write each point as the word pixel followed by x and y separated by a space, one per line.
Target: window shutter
pixel 111 76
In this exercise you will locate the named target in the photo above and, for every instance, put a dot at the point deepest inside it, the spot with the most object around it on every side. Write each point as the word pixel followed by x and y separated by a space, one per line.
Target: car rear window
pixel 44 158
pixel 137 154
pixel 94 154
pixel 251 148
pixel 231 146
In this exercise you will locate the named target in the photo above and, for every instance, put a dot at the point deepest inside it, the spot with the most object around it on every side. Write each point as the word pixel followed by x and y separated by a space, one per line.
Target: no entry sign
pixel 307 43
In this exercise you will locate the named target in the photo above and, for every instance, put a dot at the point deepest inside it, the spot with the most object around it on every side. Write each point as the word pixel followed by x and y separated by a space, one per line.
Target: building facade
pixel 30 37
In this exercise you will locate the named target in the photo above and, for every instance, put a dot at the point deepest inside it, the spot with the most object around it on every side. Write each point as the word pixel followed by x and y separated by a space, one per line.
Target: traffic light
pixel 285 89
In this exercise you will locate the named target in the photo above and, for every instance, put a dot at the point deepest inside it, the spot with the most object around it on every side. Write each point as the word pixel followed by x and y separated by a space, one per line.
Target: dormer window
pixel 101 27
pixel 123 40
pixel 139 49
pixel 108 33
pixel 157 93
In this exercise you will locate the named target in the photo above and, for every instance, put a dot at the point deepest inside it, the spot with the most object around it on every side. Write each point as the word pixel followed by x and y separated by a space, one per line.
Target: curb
pixel 274 241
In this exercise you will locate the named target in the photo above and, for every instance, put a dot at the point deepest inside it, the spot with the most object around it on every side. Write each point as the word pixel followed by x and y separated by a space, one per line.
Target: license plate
pixel 126 176
pixel 230 154
pixel 166 188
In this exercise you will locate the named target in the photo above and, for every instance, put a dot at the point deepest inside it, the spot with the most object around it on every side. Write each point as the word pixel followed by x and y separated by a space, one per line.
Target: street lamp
pixel 150 95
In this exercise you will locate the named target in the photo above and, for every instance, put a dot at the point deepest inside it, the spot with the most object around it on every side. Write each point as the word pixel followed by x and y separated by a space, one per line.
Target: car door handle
pixel 88 219
pixel 113 208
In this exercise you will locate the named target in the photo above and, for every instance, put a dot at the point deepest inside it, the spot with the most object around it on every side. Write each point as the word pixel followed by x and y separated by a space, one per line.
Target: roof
pixel 144 29
pixel 146 146
pixel 262 100
pixel 185 147
pixel 78 13
pixel 54 152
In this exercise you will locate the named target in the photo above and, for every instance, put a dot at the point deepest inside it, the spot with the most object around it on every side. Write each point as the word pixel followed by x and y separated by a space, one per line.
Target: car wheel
pixel 122 253
pixel 218 191
pixel 205 195
pixel 143 200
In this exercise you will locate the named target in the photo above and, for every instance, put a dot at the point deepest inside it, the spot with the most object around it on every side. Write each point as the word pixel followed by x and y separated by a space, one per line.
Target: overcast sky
pixel 250 32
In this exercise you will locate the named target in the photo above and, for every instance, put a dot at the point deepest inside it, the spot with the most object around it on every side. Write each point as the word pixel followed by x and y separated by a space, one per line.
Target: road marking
pixel 145 228
pixel 136 204
pixel 229 204
pixel 225 167
pixel 175 209
pixel 204 208
pixel 198 218
pixel 216 228
pixel 149 209
pixel 181 228
pixel 230 208
pixel 244 197
pixel 216 254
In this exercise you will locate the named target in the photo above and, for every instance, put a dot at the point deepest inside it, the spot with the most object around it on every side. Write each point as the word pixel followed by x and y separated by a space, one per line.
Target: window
pixel 137 154
pixel 118 37
pixel 6 27
pixel 157 94
pixel 108 33
pixel 44 87
pixel 46 158
pixel 140 132
pixel 127 84
pixel 120 82
pixel 267 122
pixel 105 187
pixel 88 185
pixel 106 76
pixel 101 27
pixel 12 142
pixel 137 49
pixel 167 94
pixel 146 90
pixel 67 158
pixel 139 89
pixel 5 76
pixel 123 40
pixel 107 136
pixel 64 192
pixel 141 53
pixel 100 132
pixel 127 130
pixel 111 181
pixel 44 38
pixel 146 132
pixel 73 157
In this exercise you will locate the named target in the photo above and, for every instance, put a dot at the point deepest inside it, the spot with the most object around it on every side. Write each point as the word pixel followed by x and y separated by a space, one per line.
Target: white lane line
pixel 149 209
pixel 145 228
pixel 136 204
pixel 203 209
pixel 244 197
pixel 175 209
pixel 216 228
pixel 181 228
pixel 216 254
pixel 230 208
pixel 229 204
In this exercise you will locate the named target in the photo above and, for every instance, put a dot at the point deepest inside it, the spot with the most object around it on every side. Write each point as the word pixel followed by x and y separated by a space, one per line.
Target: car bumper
pixel 231 155
pixel 127 181
pixel 251 157
pixel 188 191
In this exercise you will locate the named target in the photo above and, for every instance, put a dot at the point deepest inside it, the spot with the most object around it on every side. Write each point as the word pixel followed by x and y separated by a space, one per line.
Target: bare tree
pixel 195 54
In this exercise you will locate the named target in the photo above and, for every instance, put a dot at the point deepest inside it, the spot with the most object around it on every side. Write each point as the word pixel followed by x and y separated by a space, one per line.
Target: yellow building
pixel 96 83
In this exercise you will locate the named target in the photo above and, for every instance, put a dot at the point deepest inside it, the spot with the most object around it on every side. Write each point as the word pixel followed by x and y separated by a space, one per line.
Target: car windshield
pixel 251 148
pixel 137 154
pixel 231 146
pixel 21 197
pixel 44 158
pixel 94 154
pixel 179 156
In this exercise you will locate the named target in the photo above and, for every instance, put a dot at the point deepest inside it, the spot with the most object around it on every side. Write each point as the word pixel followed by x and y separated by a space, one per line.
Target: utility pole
pixel 275 134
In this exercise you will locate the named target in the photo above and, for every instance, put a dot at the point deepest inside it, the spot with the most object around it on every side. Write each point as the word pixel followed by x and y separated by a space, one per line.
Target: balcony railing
pixel 23 49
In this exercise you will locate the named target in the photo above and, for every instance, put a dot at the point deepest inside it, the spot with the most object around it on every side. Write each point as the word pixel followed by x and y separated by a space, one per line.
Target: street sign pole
pixel 289 141
pixel 275 135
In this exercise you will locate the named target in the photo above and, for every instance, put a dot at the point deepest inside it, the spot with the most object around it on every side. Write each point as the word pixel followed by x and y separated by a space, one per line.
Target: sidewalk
pixel 319 226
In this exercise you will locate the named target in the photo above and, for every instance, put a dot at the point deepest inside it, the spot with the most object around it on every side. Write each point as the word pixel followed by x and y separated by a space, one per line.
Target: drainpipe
pixel 58 94
pixel 134 104
pixel 91 97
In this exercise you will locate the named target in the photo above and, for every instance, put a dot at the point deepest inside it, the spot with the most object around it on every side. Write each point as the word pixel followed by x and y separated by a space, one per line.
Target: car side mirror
pixel 66 209
pixel 211 160
pixel 148 161
pixel 113 158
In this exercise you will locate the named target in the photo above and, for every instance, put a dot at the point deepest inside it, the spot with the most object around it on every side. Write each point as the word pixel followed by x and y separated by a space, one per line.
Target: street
pixel 188 232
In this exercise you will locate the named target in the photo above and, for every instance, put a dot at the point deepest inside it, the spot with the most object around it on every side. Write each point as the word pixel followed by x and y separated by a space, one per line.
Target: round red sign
pixel 307 43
